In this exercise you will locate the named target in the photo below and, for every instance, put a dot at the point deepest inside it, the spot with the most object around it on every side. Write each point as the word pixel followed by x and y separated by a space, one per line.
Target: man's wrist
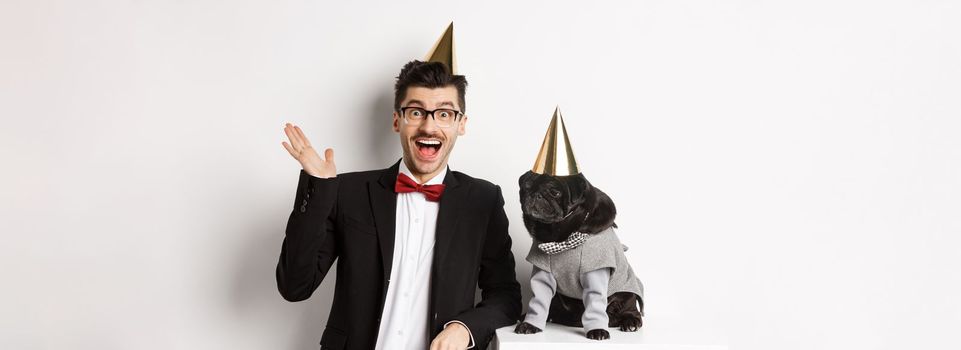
pixel 470 335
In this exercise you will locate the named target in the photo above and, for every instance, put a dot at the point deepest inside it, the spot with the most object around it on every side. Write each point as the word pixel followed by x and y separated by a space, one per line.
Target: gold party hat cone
pixel 443 50
pixel 556 157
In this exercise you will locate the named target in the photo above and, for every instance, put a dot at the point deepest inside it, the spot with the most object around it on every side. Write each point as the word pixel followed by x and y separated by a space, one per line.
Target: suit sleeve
pixel 500 293
pixel 309 247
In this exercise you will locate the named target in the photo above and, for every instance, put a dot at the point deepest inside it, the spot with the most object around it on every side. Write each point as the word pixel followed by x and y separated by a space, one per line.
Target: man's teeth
pixel 429 142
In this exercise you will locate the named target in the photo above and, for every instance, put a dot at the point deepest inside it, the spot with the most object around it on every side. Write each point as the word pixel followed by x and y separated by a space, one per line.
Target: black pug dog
pixel 576 221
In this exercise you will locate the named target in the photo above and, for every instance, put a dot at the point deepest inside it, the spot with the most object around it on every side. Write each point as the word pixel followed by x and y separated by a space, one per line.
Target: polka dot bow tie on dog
pixel 406 185
pixel 576 239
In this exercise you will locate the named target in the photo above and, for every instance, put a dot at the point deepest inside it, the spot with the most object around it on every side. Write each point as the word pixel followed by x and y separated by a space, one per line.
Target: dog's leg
pixel 594 284
pixel 544 286
pixel 566 311
pixel 622 308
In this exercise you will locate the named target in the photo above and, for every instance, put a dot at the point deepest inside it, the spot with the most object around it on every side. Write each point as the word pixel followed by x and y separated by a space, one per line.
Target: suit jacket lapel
pixel 383 202
pixel 451 203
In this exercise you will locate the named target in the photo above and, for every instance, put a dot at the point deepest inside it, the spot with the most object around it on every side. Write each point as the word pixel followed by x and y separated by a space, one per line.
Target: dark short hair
pixel 430 75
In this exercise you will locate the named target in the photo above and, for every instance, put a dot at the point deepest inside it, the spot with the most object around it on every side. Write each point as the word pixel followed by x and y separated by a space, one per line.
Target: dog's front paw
pixel 631 324
pixel 526 328
pixel 598 334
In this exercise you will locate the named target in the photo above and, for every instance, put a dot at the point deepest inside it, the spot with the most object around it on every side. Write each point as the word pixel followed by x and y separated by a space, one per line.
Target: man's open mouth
pixel 428 148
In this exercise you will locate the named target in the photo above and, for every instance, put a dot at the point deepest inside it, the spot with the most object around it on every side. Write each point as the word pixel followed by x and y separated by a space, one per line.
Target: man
pixel 413 240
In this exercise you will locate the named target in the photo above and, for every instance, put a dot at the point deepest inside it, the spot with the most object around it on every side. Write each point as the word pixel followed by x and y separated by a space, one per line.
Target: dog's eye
pixel 555 193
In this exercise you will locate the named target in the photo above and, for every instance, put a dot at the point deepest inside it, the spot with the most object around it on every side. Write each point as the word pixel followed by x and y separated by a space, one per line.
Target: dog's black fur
pixel 555 207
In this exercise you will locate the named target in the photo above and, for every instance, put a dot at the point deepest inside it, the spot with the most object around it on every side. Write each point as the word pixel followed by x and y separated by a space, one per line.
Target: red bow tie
pixel 406 185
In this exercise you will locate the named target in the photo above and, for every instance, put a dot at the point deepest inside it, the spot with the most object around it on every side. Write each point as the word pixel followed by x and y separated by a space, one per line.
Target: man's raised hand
pixel 300 149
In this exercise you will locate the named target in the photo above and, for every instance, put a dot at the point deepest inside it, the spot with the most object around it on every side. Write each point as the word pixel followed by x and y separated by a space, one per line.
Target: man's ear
pixel 396 122
pixel 461 127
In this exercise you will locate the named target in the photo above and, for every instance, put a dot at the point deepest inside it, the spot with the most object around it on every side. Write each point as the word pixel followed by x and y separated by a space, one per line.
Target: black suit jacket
pixel 351 217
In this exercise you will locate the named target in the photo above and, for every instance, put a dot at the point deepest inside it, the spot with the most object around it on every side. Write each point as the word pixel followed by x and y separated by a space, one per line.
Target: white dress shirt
pixel 404 321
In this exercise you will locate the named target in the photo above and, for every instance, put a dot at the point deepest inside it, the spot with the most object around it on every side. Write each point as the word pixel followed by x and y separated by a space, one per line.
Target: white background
pixel 786 173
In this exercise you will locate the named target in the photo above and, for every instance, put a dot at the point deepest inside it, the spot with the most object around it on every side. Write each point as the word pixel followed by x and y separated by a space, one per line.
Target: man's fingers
pixel 296 140
pixel 303 138
pixel 289 149
pixel 329 155
pixel 291 135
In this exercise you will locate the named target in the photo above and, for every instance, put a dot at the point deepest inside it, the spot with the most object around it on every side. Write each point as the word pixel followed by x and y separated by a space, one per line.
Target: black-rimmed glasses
pixel 444 117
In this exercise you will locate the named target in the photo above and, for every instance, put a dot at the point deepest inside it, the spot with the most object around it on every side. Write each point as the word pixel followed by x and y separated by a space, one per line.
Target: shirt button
pixel 416 220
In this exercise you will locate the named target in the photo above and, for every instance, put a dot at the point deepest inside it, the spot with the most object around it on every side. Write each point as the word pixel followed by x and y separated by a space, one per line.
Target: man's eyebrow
pixel 446 103
pixel 417 102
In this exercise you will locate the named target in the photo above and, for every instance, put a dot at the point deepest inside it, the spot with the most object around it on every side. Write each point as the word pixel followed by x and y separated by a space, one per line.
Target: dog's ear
pixel 579 190
pixel 526 180
pixel 602 213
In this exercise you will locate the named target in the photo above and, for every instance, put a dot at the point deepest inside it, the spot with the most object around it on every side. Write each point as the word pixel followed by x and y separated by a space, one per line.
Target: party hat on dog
pixel 556 157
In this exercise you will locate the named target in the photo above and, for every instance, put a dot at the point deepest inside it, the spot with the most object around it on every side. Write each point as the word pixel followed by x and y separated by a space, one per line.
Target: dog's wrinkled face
pixel 550 199
pixel 556 206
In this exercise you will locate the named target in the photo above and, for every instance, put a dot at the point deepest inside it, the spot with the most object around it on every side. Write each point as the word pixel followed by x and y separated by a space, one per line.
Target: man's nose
pixel 429 124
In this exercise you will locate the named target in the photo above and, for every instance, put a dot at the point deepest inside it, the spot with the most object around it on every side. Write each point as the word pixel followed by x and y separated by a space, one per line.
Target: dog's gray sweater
pixel 572 273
